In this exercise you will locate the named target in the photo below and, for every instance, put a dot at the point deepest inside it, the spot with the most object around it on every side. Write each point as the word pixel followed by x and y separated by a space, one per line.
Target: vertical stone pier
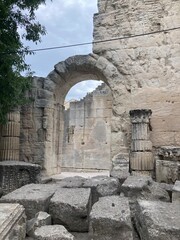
pixel 9 137
pixel 141 158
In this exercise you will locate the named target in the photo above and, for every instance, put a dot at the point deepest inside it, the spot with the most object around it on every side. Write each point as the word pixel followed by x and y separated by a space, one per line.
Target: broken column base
pixel 15 174
pixel 144 173
pixel 12 221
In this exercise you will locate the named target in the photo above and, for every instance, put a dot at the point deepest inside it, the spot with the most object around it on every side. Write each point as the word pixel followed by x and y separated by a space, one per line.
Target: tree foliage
pixel 17 22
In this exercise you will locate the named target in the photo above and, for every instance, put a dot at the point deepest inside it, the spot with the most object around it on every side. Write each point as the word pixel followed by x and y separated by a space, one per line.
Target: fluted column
pixel 9 137
pixel 141 158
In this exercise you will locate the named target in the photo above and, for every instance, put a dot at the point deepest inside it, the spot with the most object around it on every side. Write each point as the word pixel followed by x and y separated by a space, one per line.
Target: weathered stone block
pixel 110 219
pixel 120 167
pixel 12 222
pixel 102 186
pixel 167 171
pixel 41 219
pixel 70 182
pixel 157 220
pixel 71 207
pixel 54 232
pixel 34 198
pixel 176 192
pixel 168 153
pixel 144 187
pixel 15 174
pixel 134 185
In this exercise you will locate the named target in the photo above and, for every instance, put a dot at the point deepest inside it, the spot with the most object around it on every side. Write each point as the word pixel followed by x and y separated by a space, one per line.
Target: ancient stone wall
pixel 87 132
pixel 150 65
pixel 142 72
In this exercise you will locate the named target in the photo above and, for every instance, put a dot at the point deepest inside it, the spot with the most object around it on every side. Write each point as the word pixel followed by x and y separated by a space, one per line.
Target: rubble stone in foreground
pixel 12 222
pixel 34 198
pixel 53 232
pixel 157 220
pixel 70 207
pixel 110 219
pixel 41 219
pixel 143 187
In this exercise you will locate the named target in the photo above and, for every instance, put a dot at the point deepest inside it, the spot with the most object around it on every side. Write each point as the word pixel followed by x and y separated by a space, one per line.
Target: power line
pixel 98 41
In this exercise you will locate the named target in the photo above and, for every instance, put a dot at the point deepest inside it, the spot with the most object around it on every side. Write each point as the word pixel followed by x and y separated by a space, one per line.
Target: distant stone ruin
pixel 87 132
pixel 133 132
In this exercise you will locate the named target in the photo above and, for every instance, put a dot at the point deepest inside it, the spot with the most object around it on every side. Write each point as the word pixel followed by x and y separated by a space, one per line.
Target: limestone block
pixel 49 85
pixel 41 219
pixel 167 171
pixel 54 232
pixel 134 185
pixel 176 192
pixel 157 220
pixel 110 219
pixel 141 161
pixel 34 198
pixel 44 94
pixel 15 174
pixel 12 222
pixel 102 186
pixel 144 188
pixel 70 182
pixel 71 207
pixel 168 153
pixel 120 167
pixel 141 145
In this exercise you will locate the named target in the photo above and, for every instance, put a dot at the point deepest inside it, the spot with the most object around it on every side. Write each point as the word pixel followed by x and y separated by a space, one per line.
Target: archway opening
pixel 86 138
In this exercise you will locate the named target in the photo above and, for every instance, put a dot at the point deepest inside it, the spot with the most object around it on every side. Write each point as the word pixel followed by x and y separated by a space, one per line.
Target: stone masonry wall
pixel 142 72
pixel 87 132
pixel 149 64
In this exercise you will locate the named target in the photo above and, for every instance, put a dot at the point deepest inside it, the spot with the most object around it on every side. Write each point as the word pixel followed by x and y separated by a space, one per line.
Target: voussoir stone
pixel 102 186
pixel 110 219
pixel 157 220
pixel 34 198
pixel 70 207
pixel 53 232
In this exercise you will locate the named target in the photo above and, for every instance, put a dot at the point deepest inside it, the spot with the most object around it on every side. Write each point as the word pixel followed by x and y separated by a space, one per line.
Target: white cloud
pixel 80 90
pixel 66 22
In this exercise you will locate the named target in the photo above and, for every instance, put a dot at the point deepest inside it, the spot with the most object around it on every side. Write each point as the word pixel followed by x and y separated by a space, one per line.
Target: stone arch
pixel 53 91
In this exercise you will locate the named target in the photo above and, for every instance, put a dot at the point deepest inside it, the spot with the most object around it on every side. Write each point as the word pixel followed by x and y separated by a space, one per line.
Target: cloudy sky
pixel 66 22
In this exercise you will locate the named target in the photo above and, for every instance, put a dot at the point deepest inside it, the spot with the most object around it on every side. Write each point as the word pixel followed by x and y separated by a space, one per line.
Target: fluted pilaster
pixel 9 139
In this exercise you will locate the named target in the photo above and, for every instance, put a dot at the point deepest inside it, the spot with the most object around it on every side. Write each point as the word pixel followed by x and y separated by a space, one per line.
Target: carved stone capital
pixel 140 115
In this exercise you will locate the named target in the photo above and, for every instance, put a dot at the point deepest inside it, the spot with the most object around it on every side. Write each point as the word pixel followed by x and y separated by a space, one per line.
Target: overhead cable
pixel 97 41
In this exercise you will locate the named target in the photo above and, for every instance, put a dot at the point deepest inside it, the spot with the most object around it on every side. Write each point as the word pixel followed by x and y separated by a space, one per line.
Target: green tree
pixel 17 22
